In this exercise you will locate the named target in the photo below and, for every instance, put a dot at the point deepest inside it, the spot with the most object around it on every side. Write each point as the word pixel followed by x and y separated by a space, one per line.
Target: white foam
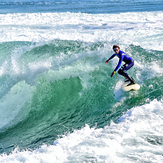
pixel 139 28
pixel 118 90
pixel 12 103
pixel 143 70
pixel 136 138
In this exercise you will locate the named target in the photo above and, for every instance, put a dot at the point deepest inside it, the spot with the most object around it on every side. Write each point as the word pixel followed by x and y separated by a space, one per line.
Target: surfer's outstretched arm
pixel 110 58
pixel 107 61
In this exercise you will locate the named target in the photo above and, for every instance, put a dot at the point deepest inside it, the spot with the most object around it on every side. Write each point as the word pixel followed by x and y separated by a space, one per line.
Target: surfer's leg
pixel 123 69
pixel 127 67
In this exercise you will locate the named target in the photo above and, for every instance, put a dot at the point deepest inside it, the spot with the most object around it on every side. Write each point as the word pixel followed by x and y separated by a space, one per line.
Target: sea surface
pixel 58 103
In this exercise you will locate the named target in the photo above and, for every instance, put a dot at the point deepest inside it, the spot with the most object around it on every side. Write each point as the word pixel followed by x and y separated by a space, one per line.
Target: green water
pixel 60 86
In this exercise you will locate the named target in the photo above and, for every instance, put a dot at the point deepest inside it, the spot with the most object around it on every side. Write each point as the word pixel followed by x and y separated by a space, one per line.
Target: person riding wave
pixel 129 62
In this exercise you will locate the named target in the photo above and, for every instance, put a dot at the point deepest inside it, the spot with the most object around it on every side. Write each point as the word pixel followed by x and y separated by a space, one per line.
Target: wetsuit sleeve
pixel 119 63
pixel 112 56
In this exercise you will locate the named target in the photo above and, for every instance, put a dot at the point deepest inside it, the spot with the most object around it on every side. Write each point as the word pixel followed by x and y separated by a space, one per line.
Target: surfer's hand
pixel 112 74
pixel 106 61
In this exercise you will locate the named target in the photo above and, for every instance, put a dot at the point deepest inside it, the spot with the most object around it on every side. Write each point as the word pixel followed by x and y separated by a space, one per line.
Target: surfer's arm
pixel 112 74
pixel 119 63
pixel 107 61
pixel 110 58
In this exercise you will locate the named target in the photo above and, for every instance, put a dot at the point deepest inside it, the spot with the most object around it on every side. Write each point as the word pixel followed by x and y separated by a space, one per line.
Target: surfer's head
pixel 116 49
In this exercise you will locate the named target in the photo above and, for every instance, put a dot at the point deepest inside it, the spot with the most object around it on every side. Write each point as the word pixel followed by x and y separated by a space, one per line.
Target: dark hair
pixel 116 46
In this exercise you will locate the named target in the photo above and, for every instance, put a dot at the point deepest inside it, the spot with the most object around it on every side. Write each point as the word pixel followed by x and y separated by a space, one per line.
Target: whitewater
pixel 57 100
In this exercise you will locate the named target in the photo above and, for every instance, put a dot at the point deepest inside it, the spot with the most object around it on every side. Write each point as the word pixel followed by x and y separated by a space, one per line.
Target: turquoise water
pixel 57 100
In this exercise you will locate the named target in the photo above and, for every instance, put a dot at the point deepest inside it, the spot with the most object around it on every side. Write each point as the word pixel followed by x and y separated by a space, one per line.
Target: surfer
pixel 129 62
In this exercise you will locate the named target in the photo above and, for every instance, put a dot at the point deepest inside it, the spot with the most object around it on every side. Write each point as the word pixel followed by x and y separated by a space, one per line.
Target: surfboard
pixel 130 87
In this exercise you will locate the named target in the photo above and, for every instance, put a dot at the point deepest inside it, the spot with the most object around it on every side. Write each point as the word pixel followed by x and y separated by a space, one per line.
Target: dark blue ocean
pixel 58 103
pixel 83 6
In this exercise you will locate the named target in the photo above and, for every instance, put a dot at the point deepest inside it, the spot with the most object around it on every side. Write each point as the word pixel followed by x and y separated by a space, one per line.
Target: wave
pixel 54 81
pixel 42 27
pixel 137 137
pixel 50 89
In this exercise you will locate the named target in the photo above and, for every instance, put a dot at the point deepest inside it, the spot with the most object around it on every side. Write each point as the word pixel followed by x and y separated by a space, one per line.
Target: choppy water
pixel 57 100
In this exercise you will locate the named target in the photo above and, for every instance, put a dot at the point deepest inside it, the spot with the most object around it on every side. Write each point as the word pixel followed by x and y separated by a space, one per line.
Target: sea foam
pixel 137 137
pixel 144 28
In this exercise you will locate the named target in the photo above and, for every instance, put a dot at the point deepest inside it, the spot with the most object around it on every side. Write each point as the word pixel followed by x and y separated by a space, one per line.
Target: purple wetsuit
pixel 129 62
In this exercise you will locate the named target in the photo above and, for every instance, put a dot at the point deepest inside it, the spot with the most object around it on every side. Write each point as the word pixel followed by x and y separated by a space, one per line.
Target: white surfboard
pixel 130 87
